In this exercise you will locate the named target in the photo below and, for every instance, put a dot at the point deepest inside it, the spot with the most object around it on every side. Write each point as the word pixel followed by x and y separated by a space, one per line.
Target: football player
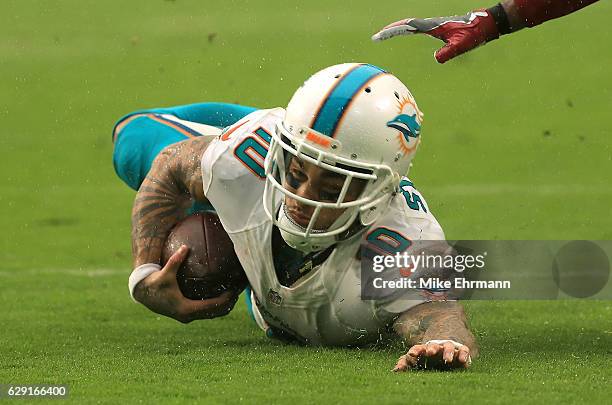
pixel 298 190
pixel 466 32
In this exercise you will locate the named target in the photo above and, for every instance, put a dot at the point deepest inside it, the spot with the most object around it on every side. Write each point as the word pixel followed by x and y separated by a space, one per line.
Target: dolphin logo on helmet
pixel 407 125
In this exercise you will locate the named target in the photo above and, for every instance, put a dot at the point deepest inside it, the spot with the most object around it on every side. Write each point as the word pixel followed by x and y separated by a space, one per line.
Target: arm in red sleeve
pixel 535 12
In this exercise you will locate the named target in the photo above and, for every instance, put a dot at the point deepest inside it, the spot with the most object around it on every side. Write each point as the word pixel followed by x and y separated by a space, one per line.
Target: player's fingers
pixel 401 27
pixel 417 350
pixel 464 356
pixel 211 307
pixel 446 53
pixel 402 364
pixel 433 349
pixel 456 45
pixel 406 362
pixel 174 263
pixel 449 352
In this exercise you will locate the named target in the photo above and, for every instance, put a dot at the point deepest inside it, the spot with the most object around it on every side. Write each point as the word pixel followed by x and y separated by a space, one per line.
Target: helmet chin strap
pixel 313 242
pixel 298 242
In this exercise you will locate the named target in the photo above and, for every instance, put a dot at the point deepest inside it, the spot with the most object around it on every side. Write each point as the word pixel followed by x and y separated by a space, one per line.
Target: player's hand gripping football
pixel 161 294
pixel 435 356
pixel 460 33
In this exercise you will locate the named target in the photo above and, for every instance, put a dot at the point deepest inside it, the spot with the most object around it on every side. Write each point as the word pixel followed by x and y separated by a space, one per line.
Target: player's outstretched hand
pixel 444 356
pixel 460 33
pixel 161 294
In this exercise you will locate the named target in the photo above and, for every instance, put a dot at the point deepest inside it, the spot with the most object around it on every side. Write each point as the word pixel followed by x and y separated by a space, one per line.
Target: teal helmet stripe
pixel 334 106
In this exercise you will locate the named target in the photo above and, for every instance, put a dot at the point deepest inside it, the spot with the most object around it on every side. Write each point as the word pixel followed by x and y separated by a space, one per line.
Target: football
pixel 211 266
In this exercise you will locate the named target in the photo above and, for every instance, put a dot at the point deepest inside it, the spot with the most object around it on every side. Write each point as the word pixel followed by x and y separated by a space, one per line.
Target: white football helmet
pixel 354 119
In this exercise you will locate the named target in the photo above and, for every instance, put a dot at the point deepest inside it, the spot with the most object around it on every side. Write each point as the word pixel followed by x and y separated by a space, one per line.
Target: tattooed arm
pixel 172 184
pixel 438 320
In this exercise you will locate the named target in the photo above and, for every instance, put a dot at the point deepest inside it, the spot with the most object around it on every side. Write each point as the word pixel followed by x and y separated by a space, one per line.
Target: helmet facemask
pixel 289 143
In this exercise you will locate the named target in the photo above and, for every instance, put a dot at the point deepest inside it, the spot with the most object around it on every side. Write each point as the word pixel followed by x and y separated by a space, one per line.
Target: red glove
pixel 461 33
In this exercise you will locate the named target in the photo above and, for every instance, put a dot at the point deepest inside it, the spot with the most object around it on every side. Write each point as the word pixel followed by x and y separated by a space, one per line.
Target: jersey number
pixel 386 241
pixel 252 151
pixel 412 199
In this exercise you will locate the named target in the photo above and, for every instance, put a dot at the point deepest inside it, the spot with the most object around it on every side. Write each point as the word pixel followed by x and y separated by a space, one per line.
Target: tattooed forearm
pixel 436 320
pixel 172 184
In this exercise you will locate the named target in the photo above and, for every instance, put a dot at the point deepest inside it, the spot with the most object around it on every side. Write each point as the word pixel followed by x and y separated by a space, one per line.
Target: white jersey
pixel 324 306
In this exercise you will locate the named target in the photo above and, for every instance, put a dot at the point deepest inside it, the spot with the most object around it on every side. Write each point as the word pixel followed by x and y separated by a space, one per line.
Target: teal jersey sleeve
pixel 215 114
pixel 150 131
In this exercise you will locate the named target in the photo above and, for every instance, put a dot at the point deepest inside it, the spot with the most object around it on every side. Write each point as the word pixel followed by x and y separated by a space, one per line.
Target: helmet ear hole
pixel 368 90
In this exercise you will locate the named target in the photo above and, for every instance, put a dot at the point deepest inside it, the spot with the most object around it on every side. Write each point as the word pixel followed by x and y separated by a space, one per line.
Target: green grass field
pixel 516 146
